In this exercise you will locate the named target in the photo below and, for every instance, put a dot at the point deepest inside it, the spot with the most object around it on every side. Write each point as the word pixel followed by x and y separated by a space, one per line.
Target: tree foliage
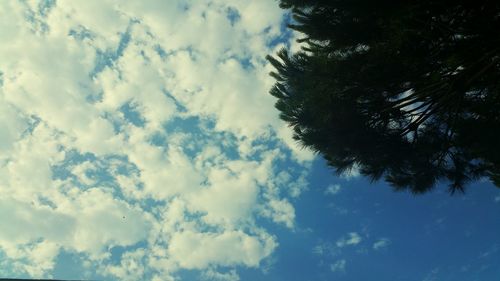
pixel 407 91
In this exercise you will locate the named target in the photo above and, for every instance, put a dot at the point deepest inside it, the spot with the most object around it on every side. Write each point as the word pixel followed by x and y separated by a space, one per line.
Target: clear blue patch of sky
pixel 199 130
pixel 118 251
pixel 189 274
pixel 285 33
pixel 102 171
pixel 457 235
pixel 233 15
pixel 72 157
pixel 32 122
pixel 81 33
pixel 132 115
pixel 6 267
pixel 44 6
pixel 108 57
pixel 70 264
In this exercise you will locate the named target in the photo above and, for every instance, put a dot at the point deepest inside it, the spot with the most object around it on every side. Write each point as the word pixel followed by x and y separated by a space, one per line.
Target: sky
pixel 138 141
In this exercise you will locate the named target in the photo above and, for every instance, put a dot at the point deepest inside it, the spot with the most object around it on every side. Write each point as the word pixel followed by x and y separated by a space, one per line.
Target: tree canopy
pixel 407 91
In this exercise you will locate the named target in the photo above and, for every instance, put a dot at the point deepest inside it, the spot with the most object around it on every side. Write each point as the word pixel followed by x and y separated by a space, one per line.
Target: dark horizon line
pixel 21 279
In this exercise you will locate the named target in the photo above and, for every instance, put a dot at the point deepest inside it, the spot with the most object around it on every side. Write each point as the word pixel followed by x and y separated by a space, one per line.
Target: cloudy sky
pixel 138 141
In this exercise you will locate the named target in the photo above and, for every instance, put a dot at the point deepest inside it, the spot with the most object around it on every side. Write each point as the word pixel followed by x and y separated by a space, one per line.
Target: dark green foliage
pixel 407 91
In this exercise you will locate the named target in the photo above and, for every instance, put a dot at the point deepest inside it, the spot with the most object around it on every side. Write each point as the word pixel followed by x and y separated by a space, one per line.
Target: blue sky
pixel 138 141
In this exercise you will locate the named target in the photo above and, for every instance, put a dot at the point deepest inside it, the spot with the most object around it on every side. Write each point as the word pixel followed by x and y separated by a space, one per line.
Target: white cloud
pixel 326 249
pixel 131 266
pixel 230 196
pixel 338 266
pixel 212 275
pixel 90 222
pixel 432 275
pixel 81 171
pixel 12 124
pixel 78 174
pixel 199 250
pixel 351 239
pixel 332 189
pixel 280 211
pixel 497 199
pixel 103 221
pixel 300 153
pixel 381 243
pixel 354 172
pixel 19 220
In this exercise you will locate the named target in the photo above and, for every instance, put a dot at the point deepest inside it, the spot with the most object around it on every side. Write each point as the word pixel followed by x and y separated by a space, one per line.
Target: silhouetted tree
pixel 403 90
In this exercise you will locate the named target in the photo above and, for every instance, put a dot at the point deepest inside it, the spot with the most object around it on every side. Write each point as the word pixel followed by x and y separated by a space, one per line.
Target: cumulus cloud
pixel 432 275
pixel 212 275
pixel 326 250
pixel 283 212
pixel 354 172
pixel 12 125
pixel 381 243
pixel 332 189
pixel 350 239
pixel 338 266
pixel 144 125
pixel 199 250
pixel 131 266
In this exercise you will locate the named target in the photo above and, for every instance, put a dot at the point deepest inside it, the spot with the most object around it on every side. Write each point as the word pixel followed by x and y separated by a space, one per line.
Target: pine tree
pixel 407 91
